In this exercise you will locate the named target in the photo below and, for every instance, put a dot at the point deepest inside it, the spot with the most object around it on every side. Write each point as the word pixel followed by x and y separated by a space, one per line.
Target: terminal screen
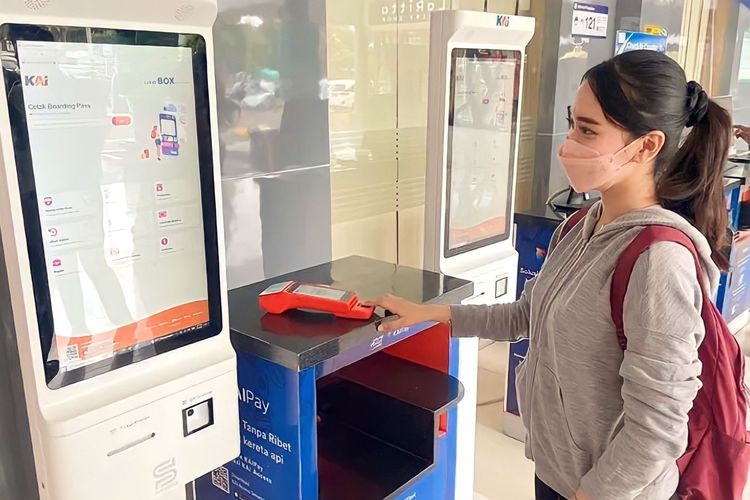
pixel 482 119
pixel 120 222
pixel 320 292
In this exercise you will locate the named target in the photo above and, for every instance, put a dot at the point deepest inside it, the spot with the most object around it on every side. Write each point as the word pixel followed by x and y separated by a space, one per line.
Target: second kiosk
pixel 475 94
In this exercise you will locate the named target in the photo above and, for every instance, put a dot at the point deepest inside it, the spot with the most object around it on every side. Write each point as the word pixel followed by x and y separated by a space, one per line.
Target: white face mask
pixel 587 169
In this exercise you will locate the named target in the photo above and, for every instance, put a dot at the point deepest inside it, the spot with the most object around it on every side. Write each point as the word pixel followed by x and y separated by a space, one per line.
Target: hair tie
pixel 697 103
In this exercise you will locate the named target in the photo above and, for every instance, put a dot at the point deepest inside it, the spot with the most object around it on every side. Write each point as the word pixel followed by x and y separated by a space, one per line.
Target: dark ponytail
pixel 693 183
pixel 643 91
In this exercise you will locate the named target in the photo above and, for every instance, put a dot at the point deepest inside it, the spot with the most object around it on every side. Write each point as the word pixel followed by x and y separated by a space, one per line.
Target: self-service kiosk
pixel 331 408
pixel 118 376
pixel 476 75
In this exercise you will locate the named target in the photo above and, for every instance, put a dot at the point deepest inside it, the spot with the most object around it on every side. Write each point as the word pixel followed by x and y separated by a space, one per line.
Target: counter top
pixel 299 340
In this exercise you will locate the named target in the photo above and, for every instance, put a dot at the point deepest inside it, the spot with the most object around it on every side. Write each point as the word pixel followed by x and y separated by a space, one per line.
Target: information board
pixel 590 20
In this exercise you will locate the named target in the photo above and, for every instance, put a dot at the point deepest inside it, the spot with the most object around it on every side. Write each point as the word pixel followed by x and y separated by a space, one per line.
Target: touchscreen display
pixel 122 262
pixel 168 126
pixel 321 292
pixel 481 147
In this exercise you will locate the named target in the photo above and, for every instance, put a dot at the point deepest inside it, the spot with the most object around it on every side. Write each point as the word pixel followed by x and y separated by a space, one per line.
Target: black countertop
pixel 300 340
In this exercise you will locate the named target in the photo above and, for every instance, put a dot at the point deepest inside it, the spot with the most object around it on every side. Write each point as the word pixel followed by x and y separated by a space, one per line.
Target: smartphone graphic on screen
pixel 170 145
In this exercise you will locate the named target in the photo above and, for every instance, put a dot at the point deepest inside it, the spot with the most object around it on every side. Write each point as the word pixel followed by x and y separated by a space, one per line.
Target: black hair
pixel 643 91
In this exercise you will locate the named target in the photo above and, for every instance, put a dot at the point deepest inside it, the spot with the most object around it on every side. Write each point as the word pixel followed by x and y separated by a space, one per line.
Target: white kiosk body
pixel 114 325
pixel 476 76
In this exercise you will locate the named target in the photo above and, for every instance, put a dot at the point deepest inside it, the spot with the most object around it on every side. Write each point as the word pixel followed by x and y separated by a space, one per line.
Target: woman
pixel 602 423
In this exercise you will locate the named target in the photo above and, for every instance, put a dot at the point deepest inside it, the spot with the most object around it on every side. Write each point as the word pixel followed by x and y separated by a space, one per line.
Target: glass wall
pixel 323 109
pixel 724 68
pixel 273 125
pixel 378 70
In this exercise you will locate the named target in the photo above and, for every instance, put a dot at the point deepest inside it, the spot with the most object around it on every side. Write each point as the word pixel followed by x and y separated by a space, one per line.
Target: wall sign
pixel 590 20
pixel 654 29
pixel 382 12
pixel 633 40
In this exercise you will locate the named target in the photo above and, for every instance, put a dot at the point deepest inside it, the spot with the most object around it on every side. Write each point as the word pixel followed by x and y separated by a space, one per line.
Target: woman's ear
pixel 650 147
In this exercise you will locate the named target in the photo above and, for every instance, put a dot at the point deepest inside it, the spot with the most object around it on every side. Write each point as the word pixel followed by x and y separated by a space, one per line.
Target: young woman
pixel 603 424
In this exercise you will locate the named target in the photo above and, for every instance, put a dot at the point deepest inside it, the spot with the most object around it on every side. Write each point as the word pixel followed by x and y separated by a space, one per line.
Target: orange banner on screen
pixel 175 319
pixel 487 229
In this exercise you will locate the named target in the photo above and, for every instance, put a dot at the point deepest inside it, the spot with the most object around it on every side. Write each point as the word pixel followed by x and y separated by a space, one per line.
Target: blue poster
pixel 277 414
pixel 533 235
pixel 634 40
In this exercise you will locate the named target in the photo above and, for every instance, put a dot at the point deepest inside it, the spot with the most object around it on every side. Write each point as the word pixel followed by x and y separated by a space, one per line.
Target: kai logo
pixel 36 81
pixel 503 21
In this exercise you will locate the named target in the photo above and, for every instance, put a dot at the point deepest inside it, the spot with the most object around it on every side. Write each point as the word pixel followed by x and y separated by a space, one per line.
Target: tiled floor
pixel 501 470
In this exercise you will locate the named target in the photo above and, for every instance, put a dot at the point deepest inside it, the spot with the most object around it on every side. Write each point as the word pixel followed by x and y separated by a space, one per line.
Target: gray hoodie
pixel 609 423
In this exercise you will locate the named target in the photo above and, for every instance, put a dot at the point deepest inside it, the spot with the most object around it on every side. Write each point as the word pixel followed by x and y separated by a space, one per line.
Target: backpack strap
pixel 573 221
pixel 626 262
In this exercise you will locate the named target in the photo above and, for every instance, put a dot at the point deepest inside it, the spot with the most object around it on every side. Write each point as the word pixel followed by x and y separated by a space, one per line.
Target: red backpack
pixel 717 460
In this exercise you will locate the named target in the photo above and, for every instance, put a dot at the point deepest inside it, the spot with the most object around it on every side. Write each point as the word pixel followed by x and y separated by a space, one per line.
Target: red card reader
pixel 281 297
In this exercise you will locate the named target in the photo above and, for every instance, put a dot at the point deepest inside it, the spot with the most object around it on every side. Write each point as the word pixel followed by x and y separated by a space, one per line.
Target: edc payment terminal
pixel 475 93
pixel 281 297
pixel 122 378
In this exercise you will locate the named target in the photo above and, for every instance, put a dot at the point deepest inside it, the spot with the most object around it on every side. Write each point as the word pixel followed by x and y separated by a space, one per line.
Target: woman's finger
pixel 391 325
pixel 386 302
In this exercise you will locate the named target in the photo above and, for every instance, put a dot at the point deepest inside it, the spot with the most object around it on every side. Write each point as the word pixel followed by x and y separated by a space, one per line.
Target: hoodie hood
pixel 655 214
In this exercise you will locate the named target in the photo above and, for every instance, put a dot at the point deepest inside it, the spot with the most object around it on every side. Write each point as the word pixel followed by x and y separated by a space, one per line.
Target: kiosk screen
pixel 121 233
pixel 483 109
pixel 320 292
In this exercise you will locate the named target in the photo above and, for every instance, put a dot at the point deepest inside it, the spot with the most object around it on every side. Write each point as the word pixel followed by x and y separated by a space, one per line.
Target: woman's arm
pixel 497 322
pixel 660 373
pixel 505 322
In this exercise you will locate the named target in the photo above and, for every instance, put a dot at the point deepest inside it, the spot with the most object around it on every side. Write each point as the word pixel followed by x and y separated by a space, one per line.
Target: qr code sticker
pixel 71 353
pixel 220 478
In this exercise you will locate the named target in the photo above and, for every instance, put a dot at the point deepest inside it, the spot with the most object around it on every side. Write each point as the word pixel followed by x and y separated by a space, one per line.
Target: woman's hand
pixel 742 132
pixel 409 313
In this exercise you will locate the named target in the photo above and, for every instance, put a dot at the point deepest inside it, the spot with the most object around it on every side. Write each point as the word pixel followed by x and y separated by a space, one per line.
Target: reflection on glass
pixel 273 134
pixel 272 110
pixel 744 72
pixel 483 107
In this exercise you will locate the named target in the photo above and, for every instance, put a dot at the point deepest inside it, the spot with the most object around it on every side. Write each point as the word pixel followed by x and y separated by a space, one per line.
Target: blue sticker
pixel 628 41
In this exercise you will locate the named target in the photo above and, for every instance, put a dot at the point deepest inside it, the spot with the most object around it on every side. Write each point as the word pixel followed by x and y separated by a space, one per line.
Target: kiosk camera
pixel 121 379
pixel 476 69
